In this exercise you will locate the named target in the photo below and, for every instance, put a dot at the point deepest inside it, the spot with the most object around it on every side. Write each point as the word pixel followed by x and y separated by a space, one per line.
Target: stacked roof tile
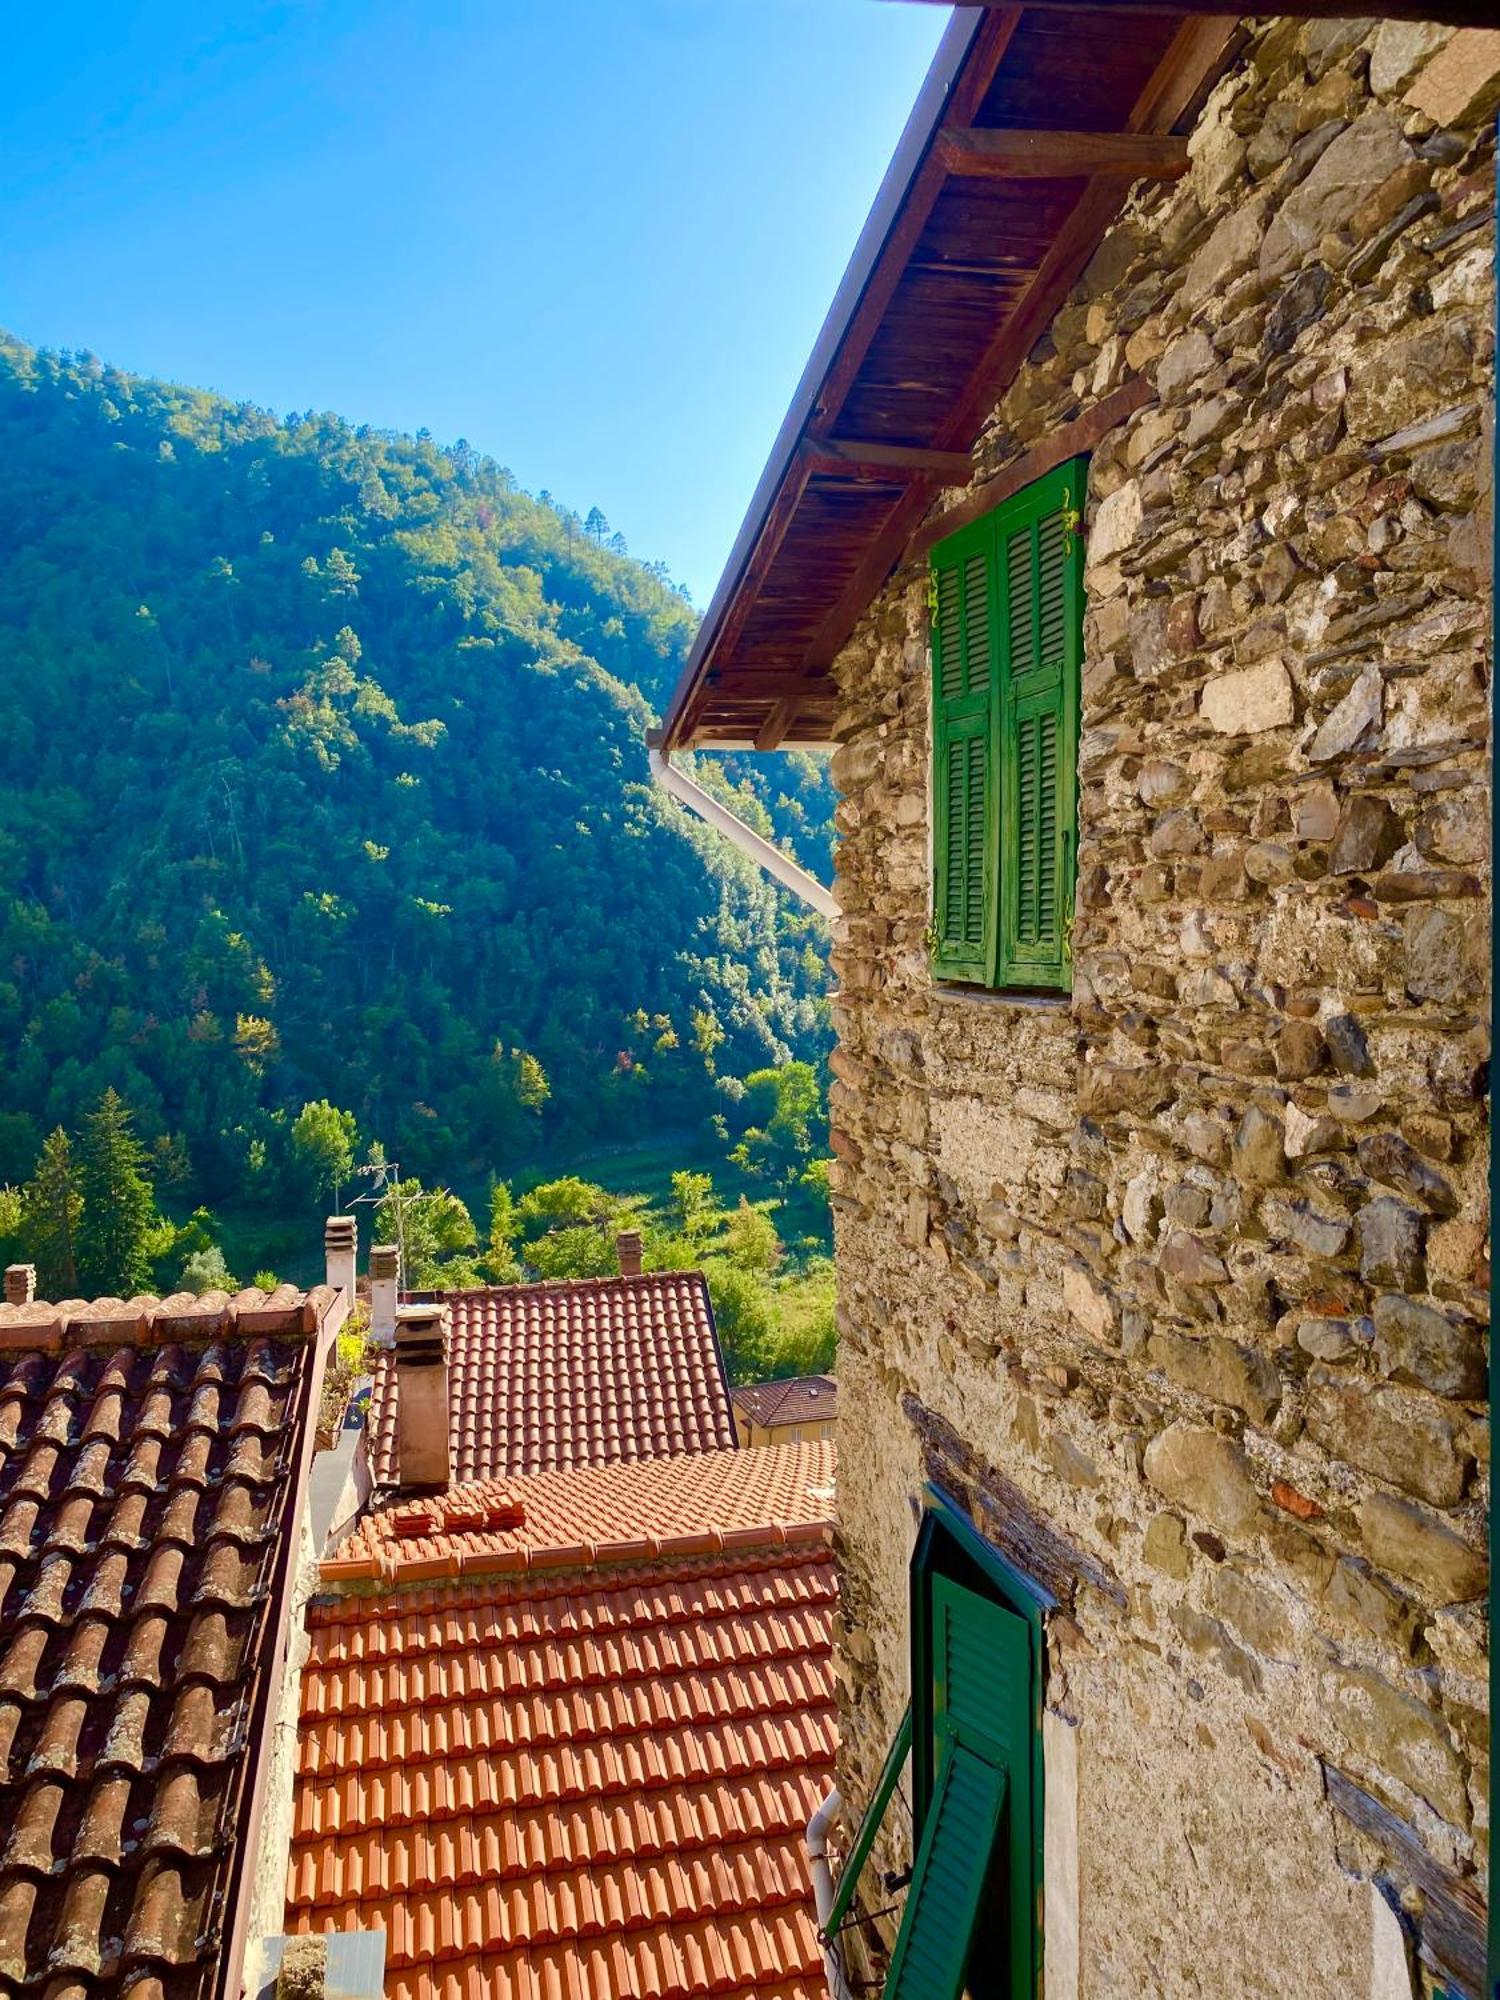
pixel 148 1459
pixel 569 1742
pixel 803 1399
pixel 596 1371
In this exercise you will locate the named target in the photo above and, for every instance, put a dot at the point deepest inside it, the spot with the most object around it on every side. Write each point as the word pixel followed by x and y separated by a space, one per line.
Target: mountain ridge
pixel 326 778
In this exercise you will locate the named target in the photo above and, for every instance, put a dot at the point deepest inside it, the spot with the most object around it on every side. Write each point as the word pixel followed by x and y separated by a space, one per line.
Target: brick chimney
pixel 20 1284
pixel 385 1275
pixel 340 1248
pixel 423 1456
pixel 628 1250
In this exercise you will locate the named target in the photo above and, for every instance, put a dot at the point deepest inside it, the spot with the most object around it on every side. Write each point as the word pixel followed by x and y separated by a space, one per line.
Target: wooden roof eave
pixel 723 699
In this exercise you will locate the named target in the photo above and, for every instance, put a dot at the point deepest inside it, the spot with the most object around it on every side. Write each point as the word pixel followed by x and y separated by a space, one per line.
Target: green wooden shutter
pixel 1040 563
pixel 1007 650
pixel 984 1691
pixel 941 1917
pixel 964 663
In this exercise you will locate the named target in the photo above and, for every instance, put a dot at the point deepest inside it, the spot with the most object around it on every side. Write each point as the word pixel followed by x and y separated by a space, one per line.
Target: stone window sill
pixel 987 997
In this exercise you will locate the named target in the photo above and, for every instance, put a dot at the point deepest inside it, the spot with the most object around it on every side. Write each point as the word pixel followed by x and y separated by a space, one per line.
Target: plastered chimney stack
pixel 423 1454
pixel 340 1249
pixel 628 1251
pixel 385 1276
pixel 20 1284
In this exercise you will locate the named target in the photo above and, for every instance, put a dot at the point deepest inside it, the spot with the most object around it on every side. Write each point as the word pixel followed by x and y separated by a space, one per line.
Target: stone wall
pixel 1194 1265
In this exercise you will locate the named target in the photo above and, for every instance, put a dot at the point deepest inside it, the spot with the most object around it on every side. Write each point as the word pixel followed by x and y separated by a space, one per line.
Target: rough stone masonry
pixel 1195 1263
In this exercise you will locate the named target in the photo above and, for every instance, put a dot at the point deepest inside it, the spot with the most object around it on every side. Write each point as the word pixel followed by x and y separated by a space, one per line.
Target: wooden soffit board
pixel 1031 128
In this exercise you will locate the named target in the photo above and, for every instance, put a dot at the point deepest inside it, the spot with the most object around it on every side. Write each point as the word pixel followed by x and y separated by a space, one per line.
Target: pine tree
pixel 51 1206
pixel 118 1205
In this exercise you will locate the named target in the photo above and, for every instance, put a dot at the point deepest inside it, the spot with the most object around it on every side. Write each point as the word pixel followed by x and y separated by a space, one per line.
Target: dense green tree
pixel 502 1265
pixel 567 1203
pixel 118 1205
pixel 51 1204
pixel 584 1251
pixel 693 1207
pixel 323 1141
pixel 745 1316
pixel 529 1080
pixel 567 1228
pixel 433 1227
pixel 750 1240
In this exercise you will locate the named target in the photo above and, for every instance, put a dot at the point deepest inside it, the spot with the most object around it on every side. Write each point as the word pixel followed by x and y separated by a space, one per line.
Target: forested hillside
pixel 325 780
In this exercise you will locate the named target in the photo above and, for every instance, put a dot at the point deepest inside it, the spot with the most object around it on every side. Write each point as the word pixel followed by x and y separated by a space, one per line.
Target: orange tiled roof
pixel 596 1371
pixel 150 1453
pixel 589 1777
pixel 696 1505
pixel 804 1399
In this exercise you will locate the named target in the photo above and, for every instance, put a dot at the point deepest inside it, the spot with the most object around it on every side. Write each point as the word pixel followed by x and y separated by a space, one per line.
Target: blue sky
pixel 596 239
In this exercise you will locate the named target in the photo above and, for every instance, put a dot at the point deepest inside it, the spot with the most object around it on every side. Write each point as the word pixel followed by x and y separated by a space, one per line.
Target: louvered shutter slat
pixel 1021 599
pixel 948 634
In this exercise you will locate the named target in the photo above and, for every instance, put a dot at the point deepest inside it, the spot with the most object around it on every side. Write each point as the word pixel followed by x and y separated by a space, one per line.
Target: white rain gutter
pixel 822 1881
pixel 688 792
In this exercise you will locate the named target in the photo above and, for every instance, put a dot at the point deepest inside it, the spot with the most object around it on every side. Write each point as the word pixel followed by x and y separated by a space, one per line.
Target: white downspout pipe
pixel 688 792
pixel 822 1881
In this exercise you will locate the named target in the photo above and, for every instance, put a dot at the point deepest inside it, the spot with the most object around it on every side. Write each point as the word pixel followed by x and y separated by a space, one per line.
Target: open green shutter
pixel 942 1910
pixel 984 1692
pixel 869 1826
pixel 1040 565
pixel 963 754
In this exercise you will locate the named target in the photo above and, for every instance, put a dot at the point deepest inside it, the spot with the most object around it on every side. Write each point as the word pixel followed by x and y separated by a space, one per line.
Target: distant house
pixel 154 1468
pixel 1129 543
pixel 593 1371
pixel 563 1733
pixel 801 1410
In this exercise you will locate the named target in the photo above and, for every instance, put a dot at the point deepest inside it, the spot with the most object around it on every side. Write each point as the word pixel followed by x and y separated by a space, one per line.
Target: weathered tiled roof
pixel 150 1453
pixel 699 1504
pixel 803 1399
pixel 597 1371
pixel 591 1775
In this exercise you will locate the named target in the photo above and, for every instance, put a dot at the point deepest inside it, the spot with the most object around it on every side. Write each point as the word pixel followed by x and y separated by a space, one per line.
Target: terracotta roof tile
pixel 134 1613
pixel 585 1777
pixel 803 1399
pixel 600 1371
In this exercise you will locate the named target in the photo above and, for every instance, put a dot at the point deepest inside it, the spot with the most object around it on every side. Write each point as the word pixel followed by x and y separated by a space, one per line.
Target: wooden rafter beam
pixel 772 732
pixel 1021 155
pixel 857 457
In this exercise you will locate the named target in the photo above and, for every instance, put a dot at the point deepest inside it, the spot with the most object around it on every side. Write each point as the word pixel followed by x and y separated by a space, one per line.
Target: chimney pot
pixel 385 1273
pixel 20 1284
pixel 423 1452
pixel 340 1249
pixel 628 1250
